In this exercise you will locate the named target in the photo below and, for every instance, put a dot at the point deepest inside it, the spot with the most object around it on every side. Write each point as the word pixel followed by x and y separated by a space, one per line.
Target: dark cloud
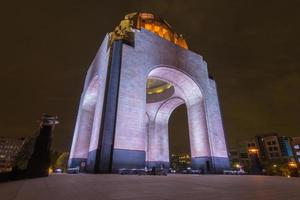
pixel 252 49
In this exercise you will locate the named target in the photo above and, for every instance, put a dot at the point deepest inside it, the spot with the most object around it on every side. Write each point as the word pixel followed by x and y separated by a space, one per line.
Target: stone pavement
pixel 131 187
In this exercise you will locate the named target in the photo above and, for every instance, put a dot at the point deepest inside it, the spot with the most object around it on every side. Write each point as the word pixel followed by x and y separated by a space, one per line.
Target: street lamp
pixel 237 165
pixel 292 164
pixel 253 150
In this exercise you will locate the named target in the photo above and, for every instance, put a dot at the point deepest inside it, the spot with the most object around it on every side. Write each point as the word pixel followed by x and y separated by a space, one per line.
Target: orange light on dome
pixel 164 31
pixel 161 28
pixel 148 26
pixel 157 29
pixel 149 22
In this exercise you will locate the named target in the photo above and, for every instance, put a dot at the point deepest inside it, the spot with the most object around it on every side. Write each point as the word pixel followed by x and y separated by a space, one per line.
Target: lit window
pixel 296 146
pixel 298 153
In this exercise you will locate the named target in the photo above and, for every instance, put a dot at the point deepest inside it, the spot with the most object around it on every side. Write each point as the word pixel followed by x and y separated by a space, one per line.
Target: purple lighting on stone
pixel 130 130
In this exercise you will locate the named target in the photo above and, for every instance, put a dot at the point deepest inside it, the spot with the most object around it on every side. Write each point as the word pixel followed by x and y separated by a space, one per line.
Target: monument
pixel 143 70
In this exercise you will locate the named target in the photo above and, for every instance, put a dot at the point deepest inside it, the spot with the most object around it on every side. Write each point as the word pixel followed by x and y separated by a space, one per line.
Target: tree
pixel 279 168
pixel 62 161
pixel 54 156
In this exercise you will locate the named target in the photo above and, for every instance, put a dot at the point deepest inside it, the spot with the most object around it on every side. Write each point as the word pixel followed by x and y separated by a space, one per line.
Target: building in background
pixel 234 157
pixel 274 148
pixel 267 152
pixel 295 144
pixel 246 156
pixel 239 158
pixel 9 149
pixel 286 148
pixel 180 162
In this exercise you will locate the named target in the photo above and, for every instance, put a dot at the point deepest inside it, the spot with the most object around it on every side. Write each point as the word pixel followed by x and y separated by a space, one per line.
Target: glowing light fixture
pixel 253 150
pixel 292 164
pixel 156 86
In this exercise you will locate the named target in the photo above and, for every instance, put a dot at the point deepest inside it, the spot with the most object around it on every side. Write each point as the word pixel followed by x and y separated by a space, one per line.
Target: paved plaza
pixel 183 187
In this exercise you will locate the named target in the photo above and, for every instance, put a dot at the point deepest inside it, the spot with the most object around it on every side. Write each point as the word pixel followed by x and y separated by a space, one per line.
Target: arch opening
pixel 187 92
pixel 179 140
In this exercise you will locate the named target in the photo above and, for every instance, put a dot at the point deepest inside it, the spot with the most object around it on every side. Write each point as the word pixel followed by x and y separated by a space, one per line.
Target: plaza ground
pixel 183 187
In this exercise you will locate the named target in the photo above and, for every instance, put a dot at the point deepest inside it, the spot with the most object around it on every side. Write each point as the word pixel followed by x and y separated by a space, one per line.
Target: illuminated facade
pixel 295 144
pixel 274 147
pixel 141 73
pixel 9 149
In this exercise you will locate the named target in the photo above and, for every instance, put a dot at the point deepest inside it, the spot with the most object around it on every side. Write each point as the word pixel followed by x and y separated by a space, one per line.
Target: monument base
pixel 210 164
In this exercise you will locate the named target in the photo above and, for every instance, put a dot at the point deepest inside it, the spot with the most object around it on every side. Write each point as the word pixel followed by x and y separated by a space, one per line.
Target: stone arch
pixel 119 126
pixel 158 135
pixel 188 92
pixel 84 125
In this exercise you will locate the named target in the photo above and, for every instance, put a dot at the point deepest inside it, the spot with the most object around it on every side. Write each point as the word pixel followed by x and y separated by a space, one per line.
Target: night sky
pixel 252 48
